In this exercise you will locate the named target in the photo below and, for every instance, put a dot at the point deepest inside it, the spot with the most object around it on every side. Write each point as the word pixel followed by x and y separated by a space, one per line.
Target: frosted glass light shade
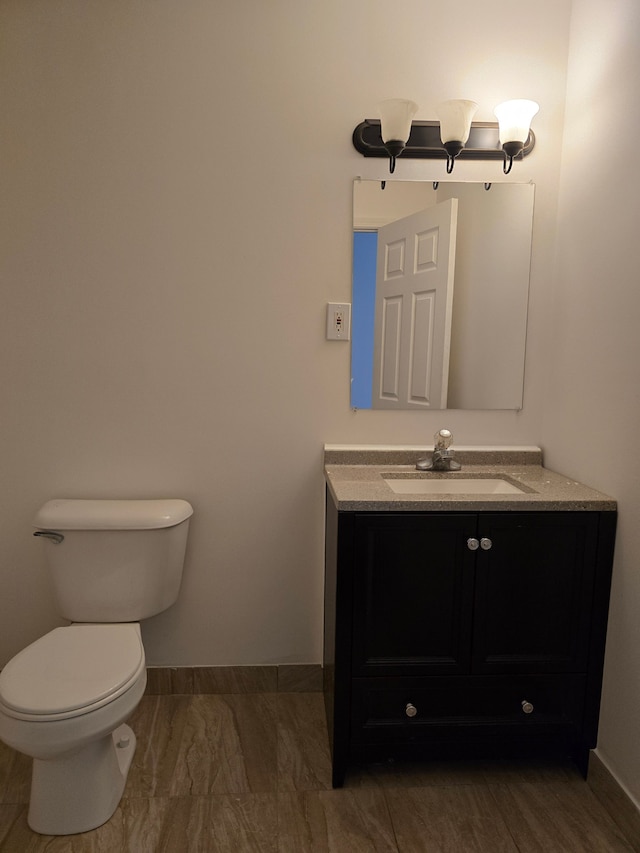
pixel 396 115
pixel 455 120
pixel 514 119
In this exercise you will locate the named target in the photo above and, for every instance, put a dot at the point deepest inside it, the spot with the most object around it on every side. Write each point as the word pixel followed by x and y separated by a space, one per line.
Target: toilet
pixel 65 698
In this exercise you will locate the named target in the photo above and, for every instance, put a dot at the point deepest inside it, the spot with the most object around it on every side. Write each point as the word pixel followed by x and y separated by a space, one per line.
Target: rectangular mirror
pixel 440 294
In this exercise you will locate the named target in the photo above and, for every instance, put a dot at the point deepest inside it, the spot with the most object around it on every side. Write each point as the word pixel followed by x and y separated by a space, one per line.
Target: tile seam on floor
pixel 391 821
pixel 490 787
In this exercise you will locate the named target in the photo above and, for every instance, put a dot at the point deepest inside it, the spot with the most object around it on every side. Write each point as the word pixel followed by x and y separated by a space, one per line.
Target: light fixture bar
pixel 424 141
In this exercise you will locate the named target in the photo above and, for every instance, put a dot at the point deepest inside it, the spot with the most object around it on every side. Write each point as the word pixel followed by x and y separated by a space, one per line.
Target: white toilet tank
pixel 114 560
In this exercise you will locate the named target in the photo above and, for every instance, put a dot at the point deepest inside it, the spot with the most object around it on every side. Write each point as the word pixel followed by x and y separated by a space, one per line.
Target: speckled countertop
pixel 356 480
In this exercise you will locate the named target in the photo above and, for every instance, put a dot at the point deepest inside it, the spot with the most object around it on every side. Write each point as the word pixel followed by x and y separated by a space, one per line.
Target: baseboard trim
pixel 615 799
pixel 281 678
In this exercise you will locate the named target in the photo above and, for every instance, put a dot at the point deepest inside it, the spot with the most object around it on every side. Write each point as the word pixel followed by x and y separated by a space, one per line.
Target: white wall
pixel 176 199
pixel 592 411
pixel 490 297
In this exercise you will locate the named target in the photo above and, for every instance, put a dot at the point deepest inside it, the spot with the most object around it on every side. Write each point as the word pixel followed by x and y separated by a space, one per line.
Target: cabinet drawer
pixel 415 709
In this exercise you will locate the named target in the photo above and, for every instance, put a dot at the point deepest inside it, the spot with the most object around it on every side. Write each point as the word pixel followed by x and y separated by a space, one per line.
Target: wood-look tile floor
pixel 251 772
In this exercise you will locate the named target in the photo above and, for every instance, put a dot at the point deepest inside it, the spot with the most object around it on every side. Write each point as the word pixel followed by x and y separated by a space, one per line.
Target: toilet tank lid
pixel 63 514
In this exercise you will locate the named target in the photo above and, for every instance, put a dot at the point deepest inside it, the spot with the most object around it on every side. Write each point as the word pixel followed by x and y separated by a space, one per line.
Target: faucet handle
pixel 442 458
pixel 442 439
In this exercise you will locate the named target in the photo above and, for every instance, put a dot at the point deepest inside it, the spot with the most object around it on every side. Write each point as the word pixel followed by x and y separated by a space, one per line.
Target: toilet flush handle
pixel 57 538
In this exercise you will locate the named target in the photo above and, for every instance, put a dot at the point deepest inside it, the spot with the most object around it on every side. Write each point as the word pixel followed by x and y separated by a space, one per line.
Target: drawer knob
pixel 473 544
pixel 527 707
pixel 410 710
pixel 485 543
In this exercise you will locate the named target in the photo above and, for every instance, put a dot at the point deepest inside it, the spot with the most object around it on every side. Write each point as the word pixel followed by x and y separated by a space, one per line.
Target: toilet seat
pixel 72 671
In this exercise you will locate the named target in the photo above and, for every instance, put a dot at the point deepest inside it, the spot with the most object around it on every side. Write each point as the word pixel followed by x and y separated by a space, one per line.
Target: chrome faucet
pixel 442 457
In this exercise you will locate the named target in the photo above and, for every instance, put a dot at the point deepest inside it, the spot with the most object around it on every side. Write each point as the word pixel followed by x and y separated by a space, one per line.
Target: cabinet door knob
pixel 410 710
pixel 527 707
pixel 473 544
pixel 485 543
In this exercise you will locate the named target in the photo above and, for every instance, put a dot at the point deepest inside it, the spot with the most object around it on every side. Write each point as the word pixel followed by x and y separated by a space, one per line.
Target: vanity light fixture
pixel 455 126
pixel 454 136
pixel 514 118
pixel 395 126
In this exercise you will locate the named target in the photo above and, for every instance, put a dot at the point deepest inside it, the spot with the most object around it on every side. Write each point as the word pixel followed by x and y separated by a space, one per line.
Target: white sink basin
pixel 457 486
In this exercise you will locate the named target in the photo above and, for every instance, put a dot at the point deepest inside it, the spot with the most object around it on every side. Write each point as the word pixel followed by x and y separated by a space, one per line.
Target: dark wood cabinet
pixel 413 594
pixel 463 633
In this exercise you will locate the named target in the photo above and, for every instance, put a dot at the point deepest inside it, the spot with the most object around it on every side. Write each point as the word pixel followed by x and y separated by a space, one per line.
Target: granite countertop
pixel 355 478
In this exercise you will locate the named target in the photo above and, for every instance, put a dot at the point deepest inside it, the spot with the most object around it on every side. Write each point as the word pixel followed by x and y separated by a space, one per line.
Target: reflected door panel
pixel 413 311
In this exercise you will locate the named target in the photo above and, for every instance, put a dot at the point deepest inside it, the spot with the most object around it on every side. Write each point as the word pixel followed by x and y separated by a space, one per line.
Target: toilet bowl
pixel 63 701
pixel 65 698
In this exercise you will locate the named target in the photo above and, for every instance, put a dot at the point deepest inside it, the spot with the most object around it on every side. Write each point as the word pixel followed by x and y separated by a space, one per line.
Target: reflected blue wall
pixel 365 247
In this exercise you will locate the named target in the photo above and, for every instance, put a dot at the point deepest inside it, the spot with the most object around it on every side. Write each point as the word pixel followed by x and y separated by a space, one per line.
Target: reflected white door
pixel 414 298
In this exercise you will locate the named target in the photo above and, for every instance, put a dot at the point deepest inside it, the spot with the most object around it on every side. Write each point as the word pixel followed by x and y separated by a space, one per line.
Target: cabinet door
pixel 413 593
pixel 534 590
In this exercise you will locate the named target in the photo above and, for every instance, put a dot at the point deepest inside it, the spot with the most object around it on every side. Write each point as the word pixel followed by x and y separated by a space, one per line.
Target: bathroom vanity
pixel 465 612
